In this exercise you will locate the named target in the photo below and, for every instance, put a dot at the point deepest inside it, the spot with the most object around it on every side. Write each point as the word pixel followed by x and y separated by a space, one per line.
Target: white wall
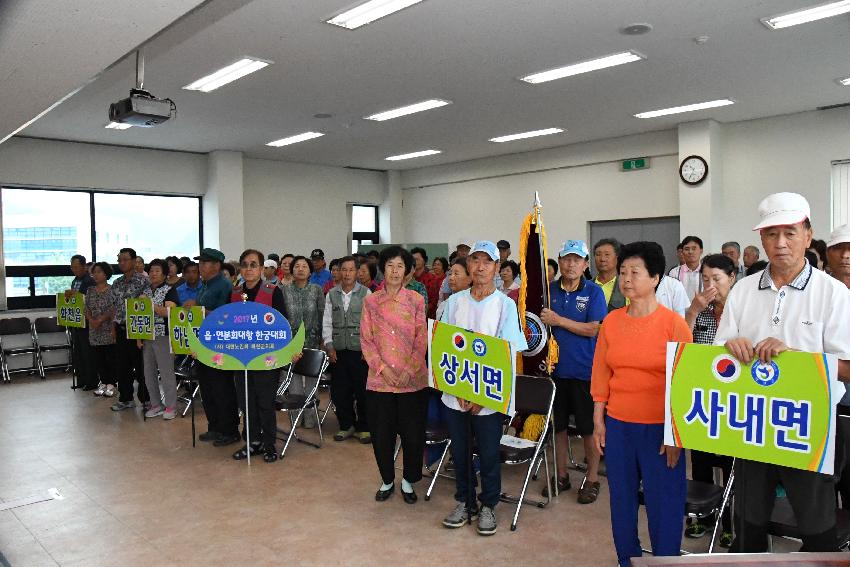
pixel 579 183
pixel 50 163
pixel 295 207
pixel 783 153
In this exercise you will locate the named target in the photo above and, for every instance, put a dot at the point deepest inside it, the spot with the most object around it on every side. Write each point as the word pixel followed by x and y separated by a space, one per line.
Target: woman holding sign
pixel 156 354
pixel 262 384
pixel 628 384
pixel 394 338
pixel 703 316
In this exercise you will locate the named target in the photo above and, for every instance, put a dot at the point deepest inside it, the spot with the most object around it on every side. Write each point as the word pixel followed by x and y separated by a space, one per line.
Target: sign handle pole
pixel 247 421
pixel 470 474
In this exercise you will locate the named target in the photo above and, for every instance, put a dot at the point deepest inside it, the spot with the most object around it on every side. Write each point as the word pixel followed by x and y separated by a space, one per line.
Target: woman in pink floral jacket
pixel 394 335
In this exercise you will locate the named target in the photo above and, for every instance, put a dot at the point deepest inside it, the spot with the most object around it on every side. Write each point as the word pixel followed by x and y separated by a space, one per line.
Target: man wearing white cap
pixel 270 272
pixel 485 310
pixel 788 306
pixel 838 253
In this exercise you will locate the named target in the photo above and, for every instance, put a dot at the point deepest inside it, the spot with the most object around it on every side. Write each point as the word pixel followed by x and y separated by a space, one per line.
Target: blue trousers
pixel 487 431
pixel 632 459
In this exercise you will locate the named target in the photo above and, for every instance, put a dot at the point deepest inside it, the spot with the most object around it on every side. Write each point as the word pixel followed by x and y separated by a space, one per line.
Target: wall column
pixel 700 205
pixel 390 214
pixel 224 218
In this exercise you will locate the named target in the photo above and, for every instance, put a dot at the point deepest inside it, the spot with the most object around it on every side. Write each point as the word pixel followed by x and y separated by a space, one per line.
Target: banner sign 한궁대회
pixel 71 312
pixel 181 322
pixel 139 318
pixel 781 413
pixel 245 336
pixel 471 366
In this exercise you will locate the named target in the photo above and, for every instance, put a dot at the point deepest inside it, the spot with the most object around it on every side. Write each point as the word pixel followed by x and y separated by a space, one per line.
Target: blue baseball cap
pixel 487 247
pixel 577 247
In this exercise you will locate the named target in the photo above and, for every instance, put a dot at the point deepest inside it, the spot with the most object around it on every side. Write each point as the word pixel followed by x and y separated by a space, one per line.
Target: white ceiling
pixel 47 50
pixel 470 52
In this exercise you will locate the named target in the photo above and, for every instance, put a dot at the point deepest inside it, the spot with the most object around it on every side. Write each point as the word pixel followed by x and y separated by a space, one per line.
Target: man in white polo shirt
pixel 789 306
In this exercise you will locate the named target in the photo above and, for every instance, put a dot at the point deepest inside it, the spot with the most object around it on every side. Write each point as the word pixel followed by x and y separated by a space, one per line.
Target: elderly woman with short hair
pixel 156 354
pixel 628 385
pixel 394 337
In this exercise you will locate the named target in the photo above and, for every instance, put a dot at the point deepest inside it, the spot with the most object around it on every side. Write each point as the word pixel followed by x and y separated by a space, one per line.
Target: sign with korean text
pixel 139 318
pixel 71 312
pixel 245 336
pixel 781 413
pixel 471 366
pixel 181 322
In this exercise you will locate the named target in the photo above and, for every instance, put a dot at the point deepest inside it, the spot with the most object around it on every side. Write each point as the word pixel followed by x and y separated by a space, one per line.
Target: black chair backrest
pixel 48 325
pixel 311 363
pixel 15 326
pixel 533 394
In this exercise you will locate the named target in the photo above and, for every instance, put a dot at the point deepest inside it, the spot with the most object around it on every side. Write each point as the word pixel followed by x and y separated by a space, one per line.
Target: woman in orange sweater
pixel 627 384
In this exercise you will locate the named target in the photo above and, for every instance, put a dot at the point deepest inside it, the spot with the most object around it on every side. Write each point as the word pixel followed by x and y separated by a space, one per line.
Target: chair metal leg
pixel 319 423
pixel 727 492
pixel 437 471
pixel 327 409
pixel 397 449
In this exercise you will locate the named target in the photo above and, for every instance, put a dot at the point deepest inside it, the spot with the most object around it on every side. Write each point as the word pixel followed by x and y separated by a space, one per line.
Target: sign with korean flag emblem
pixel 471 366
pixel 781 413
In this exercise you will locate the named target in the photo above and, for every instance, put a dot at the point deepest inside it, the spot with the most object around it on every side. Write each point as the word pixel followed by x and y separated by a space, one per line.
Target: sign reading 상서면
pixel 471 366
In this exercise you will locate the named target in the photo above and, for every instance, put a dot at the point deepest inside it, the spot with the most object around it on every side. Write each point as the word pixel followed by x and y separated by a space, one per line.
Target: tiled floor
pixel 138 493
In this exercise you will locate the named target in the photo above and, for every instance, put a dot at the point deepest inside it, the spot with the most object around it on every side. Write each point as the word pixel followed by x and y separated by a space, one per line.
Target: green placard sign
pixel 139 318
pixel 181 322
pixel 781 413
pixel 71 312
pixel 471 366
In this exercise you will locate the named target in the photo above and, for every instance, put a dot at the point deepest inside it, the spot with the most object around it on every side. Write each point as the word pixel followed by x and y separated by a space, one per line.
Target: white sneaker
pixel 154 412
pixel 169 413
pixel 109 391
pixel 101 388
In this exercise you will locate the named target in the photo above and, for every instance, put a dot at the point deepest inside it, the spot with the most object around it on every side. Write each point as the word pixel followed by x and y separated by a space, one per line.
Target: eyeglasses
pixel 250 265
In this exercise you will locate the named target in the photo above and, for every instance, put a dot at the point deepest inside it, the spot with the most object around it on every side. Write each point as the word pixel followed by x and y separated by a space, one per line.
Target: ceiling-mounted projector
pixel 142 109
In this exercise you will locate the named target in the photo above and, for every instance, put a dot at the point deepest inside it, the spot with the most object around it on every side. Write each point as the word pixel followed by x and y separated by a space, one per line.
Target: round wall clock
pixel 693 170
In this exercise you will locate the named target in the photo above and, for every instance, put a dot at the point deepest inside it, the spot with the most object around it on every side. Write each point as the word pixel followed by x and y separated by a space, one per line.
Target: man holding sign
pixel 485 310
pixel 789 306
pixel 82 353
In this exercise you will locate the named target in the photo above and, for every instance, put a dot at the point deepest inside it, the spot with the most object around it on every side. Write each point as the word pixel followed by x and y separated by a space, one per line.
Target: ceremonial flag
pixel 542 353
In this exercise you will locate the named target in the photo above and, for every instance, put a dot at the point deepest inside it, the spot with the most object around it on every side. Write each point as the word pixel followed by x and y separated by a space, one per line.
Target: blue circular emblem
pixel 765 374
pixel 478 347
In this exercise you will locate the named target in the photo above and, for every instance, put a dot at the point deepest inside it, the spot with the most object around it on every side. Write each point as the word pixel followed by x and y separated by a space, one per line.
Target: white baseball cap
pixel 781 209
pixel 840 235
pixel 270 264
pixel 464 242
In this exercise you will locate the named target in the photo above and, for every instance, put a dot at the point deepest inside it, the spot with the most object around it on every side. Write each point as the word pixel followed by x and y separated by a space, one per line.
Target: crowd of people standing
pixel 369 313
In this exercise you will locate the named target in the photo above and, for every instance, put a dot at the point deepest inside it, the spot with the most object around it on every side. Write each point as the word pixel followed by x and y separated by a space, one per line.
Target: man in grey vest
pixel 341 338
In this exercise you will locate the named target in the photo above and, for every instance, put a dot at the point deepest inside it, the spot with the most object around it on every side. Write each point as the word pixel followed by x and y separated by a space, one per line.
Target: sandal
pixel 589 492
pixel 270 455
pixel 563 486
pixel 242 453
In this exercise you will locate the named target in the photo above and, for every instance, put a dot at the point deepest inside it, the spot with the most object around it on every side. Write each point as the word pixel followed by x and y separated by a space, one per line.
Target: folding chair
pixel 17 339
pixel 533 395
pixel 49 336
pixel 311 365
pixel 186 372
pixel 783 524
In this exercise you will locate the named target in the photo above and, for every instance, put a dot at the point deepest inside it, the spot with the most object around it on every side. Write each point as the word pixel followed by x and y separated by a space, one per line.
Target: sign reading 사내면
pixel 781 413
pixel 471 366
pixel 71 312
pixel 181 322
pixel 139 318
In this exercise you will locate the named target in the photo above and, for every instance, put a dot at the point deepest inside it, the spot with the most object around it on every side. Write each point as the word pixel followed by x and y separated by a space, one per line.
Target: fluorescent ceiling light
pixel 845 82
pixel 686 108
pixel 414 155
pixel 244 66
pixel 409 109
pixel 369 12
pixel 584 67
pixel 807 15
pixel 523 135
pixel 118 126
pixel 295 139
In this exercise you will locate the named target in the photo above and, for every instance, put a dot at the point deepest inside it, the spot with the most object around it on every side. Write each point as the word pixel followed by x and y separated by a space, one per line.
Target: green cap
pixel 211 254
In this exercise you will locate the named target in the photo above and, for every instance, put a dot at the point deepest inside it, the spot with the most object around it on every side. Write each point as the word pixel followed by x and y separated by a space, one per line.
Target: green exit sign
pixel 634 163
